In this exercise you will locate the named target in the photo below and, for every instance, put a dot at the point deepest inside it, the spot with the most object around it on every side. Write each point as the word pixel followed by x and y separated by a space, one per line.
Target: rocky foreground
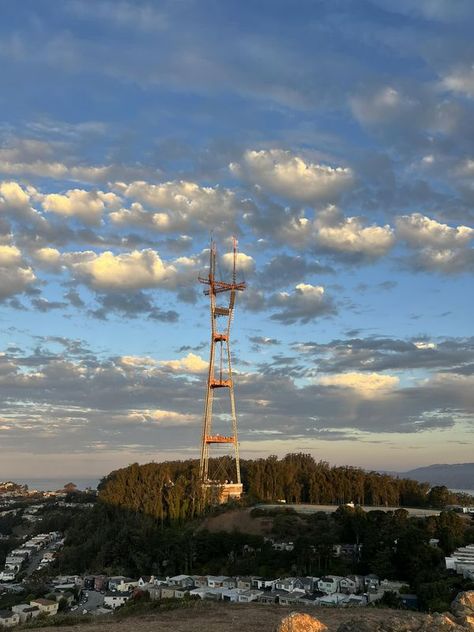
pixel 460 619
pixel 219 617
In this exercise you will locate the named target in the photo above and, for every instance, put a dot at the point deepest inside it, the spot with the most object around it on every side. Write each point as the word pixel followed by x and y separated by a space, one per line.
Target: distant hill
pixel 454 476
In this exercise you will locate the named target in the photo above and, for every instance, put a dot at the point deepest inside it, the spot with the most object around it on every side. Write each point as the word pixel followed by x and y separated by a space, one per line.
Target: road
pixel 93 601
pixel 309 509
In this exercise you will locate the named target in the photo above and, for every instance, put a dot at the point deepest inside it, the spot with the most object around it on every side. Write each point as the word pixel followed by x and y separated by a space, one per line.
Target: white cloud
pixel 333 232
pixel 420 231
pixel 13 194
pixel 366 384
pixel 460 80
pixel 303 304
pixel 382 106
pixel 86 205
pixel 9 255
pixel 192 363
pixel 243 262
pixel 177 206
pixel 135 270
pixel 162 417
pixel 47 257
pixel 286 174
pixel 137 361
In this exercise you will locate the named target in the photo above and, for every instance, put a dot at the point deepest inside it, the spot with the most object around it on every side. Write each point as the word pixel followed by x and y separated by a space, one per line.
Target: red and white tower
pixel 220 385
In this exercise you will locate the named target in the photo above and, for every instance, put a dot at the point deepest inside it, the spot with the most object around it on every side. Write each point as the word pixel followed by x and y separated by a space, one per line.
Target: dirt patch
pixel 238 520
pixel 230 618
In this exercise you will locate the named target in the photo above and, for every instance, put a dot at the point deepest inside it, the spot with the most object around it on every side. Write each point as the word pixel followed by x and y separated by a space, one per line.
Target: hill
pixel 454 476
pixel 230 617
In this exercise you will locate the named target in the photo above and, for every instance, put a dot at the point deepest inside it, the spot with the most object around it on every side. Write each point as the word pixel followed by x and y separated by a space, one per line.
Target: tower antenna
pixel 219 374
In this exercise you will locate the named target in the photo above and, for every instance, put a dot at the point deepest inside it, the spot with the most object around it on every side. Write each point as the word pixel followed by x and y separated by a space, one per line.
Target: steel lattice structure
pixel 220 369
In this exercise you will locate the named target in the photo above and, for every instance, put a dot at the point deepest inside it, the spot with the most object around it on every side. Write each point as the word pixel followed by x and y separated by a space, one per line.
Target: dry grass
pixel 238 520
pixel 228 618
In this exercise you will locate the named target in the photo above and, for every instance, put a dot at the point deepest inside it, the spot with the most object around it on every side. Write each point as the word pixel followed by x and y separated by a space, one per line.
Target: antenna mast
pixel 220 372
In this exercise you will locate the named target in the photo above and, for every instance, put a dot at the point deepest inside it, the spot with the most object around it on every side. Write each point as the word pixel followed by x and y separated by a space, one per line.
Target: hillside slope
pixel 454 476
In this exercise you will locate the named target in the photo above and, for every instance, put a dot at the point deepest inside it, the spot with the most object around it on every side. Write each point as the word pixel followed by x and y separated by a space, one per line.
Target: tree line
pixel 172 492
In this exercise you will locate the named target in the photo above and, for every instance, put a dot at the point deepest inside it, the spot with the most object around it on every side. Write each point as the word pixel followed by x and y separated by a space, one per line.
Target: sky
pixel 333 139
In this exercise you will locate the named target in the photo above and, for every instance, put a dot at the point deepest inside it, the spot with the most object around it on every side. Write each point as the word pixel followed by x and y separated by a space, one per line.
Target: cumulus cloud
pixel 87 206
pixel 305 303
pixel 243 263
pixel 162 417
pixel 333 233
pixel 127 271
pixel 15 275
pixel 366 384
pixel 290 176
pixel 192 363
pixel 177 206
pixel 460 79
pixel 439 247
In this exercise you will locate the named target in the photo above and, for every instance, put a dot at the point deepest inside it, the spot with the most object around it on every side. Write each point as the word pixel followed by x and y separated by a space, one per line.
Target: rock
pixel 440 623
pixel 463 605
pixel 299 622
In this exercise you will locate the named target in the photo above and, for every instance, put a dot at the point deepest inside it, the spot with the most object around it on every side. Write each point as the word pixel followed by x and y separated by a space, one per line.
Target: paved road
pixel 309 509
pixel 93 601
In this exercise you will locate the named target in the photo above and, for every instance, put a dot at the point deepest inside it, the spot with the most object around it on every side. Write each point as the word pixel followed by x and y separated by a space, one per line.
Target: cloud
pixel 163 417
pixel 440 247
pixel 284 269
pixel 131 304
pixel 87 206
pixel 305 303
pixel 128 271
pixel 460 79
pixel 15 275
pixel 337 235
pixel 366 384
pixel 288 175
pixel 243 263
pixel 177 206
pixel 192 363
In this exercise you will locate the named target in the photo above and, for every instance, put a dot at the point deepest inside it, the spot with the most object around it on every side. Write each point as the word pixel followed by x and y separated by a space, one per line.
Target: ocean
pixel 52 484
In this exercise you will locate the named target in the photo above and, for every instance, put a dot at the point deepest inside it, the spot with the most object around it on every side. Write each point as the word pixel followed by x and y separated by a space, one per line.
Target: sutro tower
pixel 219 376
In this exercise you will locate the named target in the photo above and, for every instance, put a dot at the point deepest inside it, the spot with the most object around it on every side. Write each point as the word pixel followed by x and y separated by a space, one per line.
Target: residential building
pixel 26 612
pixel 46 606
pixel 329 584
pixel 9 619
pixel 181 581
pixel 115 599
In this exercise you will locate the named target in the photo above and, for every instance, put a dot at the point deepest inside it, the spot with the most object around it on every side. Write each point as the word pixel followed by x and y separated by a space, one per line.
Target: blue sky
pixel 334 139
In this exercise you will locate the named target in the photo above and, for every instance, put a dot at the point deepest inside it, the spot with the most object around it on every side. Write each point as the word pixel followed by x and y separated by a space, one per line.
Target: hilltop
pixel 454 475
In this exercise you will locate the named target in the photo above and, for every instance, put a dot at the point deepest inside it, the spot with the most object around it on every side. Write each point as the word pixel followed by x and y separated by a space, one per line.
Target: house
pixel 8 619
pixel 115 599
pixel 249 595
pixel 371 582
pixel 200 581
pixel 289 584
pixel 46 606
pixel 409 601
pixel 269 597
pixel 312 599
pixel 26 612
pixel 244 582
pixel 261 584
pixel 180 593
pixel 127 584
pixel 167 592
pixel 334 599
pixel 329 584
pixel 290 598
pixel 216 581
pixel 145 579
pixel 392 585
pixel 100 582
pixel 229 582
pixel 349 585
pixel 283 546
pixel 115 581
pixel 154 592
pixel 231 594
pixel 181 581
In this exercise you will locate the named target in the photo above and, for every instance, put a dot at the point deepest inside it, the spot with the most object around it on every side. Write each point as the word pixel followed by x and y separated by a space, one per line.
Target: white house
pixel 249 595
pixel 329 584
pixel 26 611
pixel 216 581
pixel 181 581
pixel 115 600
pixel 9 619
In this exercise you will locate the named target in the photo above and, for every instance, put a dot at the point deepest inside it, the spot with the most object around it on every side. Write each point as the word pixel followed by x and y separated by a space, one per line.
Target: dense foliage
pixel 171 491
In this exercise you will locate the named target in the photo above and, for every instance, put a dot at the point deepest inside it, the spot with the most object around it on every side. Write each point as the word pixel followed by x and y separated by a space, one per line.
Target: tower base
pixel 224 492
